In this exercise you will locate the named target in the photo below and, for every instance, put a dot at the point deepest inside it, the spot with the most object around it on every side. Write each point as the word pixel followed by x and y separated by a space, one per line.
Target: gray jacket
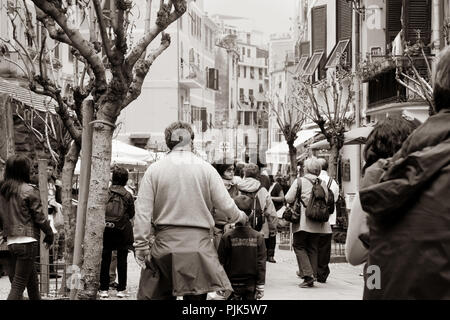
pixel 305 223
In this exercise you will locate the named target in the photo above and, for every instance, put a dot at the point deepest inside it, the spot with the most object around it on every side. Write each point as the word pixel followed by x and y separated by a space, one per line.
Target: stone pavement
pixel 344 282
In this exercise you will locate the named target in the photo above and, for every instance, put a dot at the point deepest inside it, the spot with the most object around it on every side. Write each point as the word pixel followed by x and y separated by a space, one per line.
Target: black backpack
pixel 115 216
pixel 256 218
pixel 330 199
pixel 317 208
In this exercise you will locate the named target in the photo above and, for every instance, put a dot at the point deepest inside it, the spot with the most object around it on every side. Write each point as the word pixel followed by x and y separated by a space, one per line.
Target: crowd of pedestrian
pixel 197 228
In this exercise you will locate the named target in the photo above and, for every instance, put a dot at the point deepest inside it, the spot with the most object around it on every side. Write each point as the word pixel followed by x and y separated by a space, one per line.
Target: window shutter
pixel 247 118
pixel 418 17
pixel 216 79
pixel 204 118
pixel 393 19
pixel 319 35
pixel 344 25
pixel 304 49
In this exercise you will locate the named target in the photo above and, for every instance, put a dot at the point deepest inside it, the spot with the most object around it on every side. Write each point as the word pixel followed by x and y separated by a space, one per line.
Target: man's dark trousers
pixel 323 257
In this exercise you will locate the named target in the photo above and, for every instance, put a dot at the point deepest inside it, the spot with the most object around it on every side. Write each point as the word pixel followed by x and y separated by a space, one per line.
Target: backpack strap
pixel 299 191
pixel 330 181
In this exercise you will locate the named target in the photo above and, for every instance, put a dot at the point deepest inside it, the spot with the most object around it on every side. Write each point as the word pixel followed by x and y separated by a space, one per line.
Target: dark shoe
pixel 307 283
pixel 271 259
pixel 322 280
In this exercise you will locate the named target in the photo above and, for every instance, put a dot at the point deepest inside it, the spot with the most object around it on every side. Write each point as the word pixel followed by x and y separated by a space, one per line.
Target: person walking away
pixel 264 176
pixel 252 187
pixel 21 220
pixel 113 267
pixel 239 170
pixel 382 143
pixel 118 234
pixel 306 233
pixel 242 253
pixel 226 172
pixel 277 196
pixel 408 209
pixel 173 224
pixel 324 252
pixel 54 211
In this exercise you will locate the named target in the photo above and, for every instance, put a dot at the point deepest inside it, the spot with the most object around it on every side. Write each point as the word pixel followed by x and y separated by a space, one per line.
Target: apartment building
pixel 382 93
pixel 181 84
pixel 241 121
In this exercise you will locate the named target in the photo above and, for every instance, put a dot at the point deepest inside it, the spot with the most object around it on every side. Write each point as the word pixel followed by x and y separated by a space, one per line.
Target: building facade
pixel 181 84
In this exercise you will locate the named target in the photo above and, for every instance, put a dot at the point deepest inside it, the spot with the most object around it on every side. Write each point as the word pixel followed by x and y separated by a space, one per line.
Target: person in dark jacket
pixel 21 220
pixel 242 252
pixel 383 142
pixel 409 208
pixel 226 172
pixel 118 238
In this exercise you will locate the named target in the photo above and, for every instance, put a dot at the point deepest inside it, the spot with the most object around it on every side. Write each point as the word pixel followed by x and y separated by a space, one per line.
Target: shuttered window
pixel 304 49
pixel 204 119
pixel 212 78
pixel 418 17
pixel 319 35
pixel 393 19
pixel 344 25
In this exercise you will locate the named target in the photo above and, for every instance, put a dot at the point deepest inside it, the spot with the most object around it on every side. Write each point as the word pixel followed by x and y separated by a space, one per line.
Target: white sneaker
pixel 103 294
pixel 122 294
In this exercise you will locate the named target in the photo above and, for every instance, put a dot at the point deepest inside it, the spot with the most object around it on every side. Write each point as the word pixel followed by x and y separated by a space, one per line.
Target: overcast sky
pixel 268 16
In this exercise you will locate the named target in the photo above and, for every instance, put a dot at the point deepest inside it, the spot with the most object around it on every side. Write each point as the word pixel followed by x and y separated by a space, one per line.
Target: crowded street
pixel 344 283
pixel 224 150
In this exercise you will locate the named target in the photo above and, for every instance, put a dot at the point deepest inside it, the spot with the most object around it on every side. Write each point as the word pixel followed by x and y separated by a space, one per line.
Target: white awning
pixel 126 154
pixel 354 136
pixel 279 153
pixel 305 135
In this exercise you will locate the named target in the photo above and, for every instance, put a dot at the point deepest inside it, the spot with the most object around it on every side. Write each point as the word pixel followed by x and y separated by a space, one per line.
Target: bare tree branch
pixel 164 19
pixel 142 69
pixel 84 47
pixel 106 42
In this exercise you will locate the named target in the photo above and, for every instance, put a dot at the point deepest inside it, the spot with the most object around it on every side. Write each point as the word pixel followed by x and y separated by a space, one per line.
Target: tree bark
pixel 95 216
pixel 333 161
pixel 293 160
pixel 70 161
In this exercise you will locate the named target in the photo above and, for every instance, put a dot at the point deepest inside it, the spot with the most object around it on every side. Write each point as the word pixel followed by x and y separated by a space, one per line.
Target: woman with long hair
pixel 382 143
pixel 21 220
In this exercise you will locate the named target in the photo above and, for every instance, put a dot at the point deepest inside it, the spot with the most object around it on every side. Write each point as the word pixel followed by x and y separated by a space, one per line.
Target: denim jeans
pixel 22 271
pixel 306 247
pixel 121 268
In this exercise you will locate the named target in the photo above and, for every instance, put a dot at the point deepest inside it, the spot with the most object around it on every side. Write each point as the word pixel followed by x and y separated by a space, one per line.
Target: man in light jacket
pixel 324 253
pixel 306 233
pixel 174 205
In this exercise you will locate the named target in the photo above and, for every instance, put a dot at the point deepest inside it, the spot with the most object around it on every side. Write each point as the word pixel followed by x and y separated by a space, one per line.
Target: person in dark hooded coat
pixel 409 209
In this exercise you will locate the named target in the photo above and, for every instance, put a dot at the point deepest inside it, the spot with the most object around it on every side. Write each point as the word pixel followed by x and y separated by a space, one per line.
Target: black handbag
pixel 292 213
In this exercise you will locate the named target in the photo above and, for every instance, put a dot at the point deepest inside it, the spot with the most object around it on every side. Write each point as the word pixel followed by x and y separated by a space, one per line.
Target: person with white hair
pixel 324 254
pixel 306 233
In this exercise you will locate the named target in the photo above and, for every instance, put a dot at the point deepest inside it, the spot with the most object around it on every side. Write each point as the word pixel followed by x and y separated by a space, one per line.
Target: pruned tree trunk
pixel 95 216
pixel 70 161
pixel 333 160
pixel 293 160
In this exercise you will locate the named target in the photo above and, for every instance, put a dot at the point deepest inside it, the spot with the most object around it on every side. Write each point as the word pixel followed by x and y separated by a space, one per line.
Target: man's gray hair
pixel 313 166
pixel 179 134
pixel 323 164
